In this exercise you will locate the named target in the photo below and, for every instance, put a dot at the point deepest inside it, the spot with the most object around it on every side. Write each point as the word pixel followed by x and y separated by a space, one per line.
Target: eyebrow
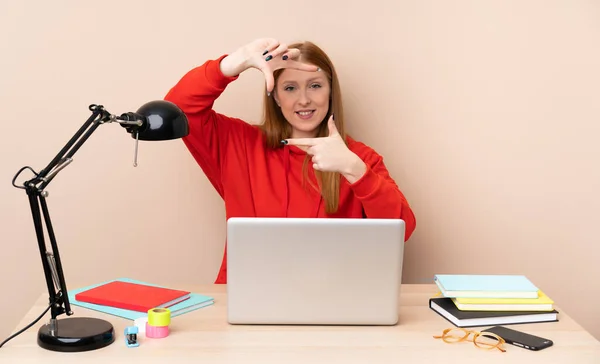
pixel 320 78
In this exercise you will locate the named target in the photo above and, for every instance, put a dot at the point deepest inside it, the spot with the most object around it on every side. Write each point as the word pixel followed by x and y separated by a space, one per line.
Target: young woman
pixel 298 162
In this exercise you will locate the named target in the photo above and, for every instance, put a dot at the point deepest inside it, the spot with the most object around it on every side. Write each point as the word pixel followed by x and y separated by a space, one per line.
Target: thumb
pixel 269 80
pixel 331 126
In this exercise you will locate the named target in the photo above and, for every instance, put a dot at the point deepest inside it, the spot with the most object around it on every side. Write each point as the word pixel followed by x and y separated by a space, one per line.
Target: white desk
pixel 203 336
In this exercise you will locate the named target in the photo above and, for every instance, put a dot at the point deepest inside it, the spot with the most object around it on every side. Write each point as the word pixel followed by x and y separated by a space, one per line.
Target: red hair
pixel 276 127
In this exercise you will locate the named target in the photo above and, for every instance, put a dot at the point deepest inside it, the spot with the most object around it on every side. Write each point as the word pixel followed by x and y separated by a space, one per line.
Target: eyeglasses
pixel 482 340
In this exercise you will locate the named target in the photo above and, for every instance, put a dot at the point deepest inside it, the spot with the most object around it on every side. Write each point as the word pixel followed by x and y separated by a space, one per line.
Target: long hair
pixel 276 127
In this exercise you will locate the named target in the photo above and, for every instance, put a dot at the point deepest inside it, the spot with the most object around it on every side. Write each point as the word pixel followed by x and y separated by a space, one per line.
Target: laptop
pixel 314 271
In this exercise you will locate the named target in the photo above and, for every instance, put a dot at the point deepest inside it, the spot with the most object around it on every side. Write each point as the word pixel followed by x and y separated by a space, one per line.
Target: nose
pixel 303 98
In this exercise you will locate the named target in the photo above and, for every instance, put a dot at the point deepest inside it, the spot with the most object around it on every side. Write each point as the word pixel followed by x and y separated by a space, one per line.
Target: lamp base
pixel 76 334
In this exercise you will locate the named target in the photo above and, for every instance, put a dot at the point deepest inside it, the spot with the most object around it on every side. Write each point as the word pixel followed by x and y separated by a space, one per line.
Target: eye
pixel 288 88
pixel 315 85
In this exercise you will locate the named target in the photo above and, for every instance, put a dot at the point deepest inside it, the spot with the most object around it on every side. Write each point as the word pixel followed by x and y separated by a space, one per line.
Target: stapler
pixel 131 336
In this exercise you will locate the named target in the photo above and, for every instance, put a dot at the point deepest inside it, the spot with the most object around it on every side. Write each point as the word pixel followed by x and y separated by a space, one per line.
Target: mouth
pixel 305 114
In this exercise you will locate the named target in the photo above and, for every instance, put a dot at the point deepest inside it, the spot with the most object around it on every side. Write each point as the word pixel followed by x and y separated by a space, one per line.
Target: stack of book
pixel 482 300
pixel 131 299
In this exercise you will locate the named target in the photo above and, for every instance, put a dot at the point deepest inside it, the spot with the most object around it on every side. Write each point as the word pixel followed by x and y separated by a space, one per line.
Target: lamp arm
pixel 65 155
pixel 71 147
pixel 34 187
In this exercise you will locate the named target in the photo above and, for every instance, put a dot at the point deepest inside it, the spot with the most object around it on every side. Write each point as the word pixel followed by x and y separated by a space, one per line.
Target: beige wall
pixel 487 114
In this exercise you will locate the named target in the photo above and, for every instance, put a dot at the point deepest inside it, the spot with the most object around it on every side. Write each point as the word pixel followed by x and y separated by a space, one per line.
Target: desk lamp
pixel 155 120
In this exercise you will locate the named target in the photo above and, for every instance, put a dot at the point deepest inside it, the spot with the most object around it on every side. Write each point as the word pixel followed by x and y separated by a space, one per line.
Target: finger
pixel 301 141
pixel 331 126
pixel 269 79
pixel 315 166
pixel 270 45
pixel 291 53
pixel 281 48
pixel 301 66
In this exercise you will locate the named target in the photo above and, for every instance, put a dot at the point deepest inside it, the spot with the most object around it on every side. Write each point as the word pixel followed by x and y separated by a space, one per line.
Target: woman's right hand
pixel 266 55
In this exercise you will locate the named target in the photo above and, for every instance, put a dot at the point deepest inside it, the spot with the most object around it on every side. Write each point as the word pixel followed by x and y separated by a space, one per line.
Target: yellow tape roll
pixel 159 317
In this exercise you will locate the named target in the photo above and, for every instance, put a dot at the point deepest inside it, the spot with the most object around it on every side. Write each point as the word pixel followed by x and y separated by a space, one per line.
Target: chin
pixel 308 128
pixel 307 125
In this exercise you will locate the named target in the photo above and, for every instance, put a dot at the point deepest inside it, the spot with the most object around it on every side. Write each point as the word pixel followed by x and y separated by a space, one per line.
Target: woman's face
pixel 303 97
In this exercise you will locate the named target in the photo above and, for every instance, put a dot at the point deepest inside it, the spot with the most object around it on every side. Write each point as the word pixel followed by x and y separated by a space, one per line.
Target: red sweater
pixel 256 181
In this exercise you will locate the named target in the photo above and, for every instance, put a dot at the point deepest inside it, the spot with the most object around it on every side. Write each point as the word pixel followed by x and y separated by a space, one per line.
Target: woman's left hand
pixel 330 154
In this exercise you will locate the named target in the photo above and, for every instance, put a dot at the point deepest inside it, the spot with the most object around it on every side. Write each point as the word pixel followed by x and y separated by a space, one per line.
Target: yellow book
pixel 541 303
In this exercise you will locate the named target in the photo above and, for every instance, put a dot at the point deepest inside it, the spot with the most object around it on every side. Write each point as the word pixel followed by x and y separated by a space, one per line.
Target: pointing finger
pixel 300 141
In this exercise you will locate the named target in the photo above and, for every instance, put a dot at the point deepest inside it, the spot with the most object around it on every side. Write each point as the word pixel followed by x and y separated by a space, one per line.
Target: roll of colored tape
pixel 140 323
pixel 159 317
pixel 156 332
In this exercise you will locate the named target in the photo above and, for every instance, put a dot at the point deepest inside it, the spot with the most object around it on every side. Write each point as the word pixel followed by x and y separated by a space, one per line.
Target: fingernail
pixel 284 141
pixel 268 94
pixel 269 58
pixel 318 69
pixel 285 57
pixel 265 52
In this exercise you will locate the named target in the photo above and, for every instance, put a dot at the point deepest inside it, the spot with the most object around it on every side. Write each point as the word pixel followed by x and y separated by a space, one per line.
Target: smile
pixel 305 114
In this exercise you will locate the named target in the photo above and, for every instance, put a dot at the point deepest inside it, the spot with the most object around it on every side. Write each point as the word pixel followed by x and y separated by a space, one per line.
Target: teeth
pixel 305 113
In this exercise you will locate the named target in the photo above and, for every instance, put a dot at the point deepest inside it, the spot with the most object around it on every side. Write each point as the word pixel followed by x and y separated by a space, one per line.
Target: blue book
pixel 485 286
pixel 195 302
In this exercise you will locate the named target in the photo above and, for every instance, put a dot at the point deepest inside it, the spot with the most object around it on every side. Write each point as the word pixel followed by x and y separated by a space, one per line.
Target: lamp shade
pixel 163 120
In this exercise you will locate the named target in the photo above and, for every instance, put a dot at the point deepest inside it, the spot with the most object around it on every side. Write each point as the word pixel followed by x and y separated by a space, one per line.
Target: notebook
pixel 132 296
pixel 490 286
pixel 542 303
pixel 195 302
pixel 446 308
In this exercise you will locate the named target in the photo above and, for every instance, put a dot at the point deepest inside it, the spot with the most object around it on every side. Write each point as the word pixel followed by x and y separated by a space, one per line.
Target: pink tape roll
pixel 156 332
